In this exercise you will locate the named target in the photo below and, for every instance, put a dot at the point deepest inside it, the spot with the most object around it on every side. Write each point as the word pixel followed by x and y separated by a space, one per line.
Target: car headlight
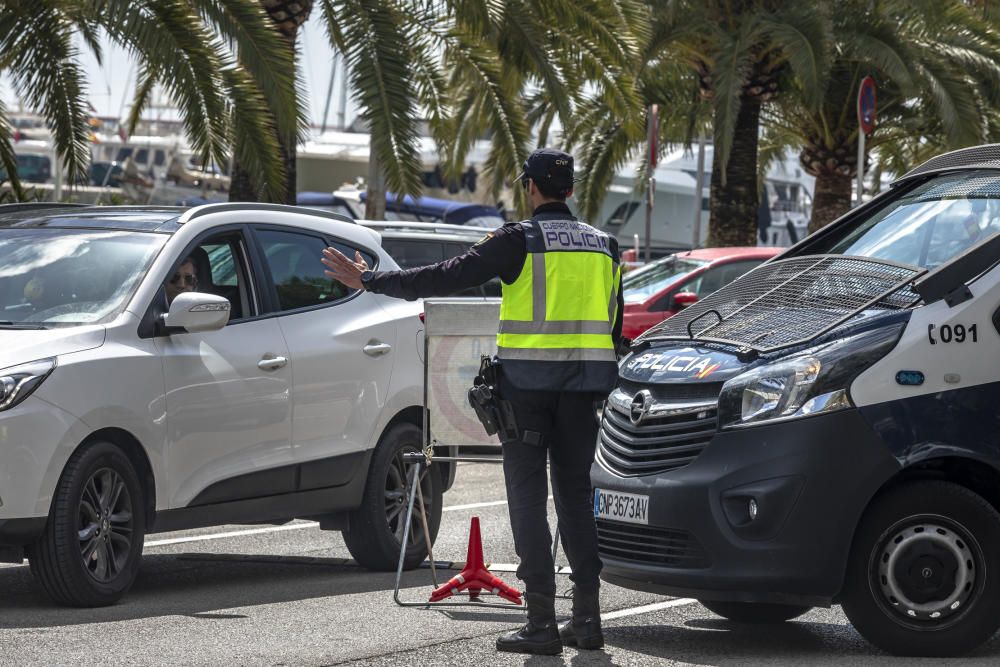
pixel 810 383
pixel 17 382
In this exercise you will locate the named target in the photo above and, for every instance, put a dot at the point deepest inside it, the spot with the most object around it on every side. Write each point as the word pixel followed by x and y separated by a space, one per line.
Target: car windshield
pixel 59 277
pixel 929 225
pixel 646 281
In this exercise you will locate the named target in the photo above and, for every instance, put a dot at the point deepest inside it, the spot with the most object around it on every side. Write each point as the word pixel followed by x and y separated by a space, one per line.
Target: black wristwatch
pixel 366 276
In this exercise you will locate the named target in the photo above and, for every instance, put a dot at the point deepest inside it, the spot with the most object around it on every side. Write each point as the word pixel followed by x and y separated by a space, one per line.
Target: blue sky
pixel 111 82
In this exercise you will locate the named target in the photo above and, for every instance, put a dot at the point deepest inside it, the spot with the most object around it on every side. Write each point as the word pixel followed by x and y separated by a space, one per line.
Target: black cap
pixel 549 166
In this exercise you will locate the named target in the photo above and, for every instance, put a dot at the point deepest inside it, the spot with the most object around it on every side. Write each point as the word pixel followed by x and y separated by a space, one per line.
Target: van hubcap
pixel 928 570
pixel 105 525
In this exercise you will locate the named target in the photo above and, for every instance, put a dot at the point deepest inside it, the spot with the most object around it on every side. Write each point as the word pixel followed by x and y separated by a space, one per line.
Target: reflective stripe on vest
pixel 563 305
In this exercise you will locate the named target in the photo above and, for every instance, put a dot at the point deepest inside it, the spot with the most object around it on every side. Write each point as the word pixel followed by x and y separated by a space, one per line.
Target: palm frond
pixel 8 158
pixel 379 59
pixel 802 36
pixel 36 40
pixel 266 55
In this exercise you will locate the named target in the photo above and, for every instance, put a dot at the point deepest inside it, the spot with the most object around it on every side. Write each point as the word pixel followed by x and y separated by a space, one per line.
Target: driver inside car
pixel 185 279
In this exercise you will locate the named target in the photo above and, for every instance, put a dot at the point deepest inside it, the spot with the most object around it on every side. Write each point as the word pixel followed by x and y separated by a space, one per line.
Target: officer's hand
pixel 343 270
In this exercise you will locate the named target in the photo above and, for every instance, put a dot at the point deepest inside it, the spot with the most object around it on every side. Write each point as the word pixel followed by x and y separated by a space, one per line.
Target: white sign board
pixel 458 332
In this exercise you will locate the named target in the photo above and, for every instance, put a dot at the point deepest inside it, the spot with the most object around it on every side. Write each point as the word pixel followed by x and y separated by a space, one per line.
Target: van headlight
pixel 17 382
pixel 810 383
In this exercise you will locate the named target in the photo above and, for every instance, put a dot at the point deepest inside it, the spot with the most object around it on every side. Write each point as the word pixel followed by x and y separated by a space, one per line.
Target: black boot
pixel 584 631
pixel 540 635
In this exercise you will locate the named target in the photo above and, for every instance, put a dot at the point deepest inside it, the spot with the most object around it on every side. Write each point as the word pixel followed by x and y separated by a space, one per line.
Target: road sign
pixel 867 105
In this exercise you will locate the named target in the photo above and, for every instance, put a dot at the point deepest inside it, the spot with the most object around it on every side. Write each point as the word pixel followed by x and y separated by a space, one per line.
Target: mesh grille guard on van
pixel 792 301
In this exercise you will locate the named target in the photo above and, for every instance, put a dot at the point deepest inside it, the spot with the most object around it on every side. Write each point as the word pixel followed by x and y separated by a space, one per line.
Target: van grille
pixel 654 445
pixel 650 545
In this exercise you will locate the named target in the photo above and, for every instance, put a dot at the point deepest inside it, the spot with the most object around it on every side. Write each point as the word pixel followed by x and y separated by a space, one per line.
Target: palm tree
pixel 720 60
pixel 937 66
pixel 468 68
pixel 187 47
pixel 287 16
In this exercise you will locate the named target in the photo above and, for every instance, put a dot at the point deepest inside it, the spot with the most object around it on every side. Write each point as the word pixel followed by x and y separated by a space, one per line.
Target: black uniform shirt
pixel 501 254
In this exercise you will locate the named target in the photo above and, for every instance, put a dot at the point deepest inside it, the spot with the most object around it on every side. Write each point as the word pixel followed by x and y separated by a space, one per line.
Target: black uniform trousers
pixel 568 427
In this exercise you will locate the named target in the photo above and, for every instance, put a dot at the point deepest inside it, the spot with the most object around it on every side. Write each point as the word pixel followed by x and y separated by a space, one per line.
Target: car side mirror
pixel 684 299
pixel 197 311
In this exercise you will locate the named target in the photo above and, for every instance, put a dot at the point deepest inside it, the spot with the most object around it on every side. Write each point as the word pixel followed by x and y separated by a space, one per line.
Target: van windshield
pixel 929 225
pixel 61 277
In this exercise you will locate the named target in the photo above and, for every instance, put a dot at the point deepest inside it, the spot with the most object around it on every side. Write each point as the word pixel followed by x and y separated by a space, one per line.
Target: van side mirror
pixel 197 311
pixel 682 300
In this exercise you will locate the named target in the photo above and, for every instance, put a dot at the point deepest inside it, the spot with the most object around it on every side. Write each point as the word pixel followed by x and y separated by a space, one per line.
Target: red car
pixel 660 289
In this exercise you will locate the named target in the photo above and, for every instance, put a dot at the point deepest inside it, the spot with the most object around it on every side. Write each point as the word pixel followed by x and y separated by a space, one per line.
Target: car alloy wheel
pixel 397 495
pixel 106 524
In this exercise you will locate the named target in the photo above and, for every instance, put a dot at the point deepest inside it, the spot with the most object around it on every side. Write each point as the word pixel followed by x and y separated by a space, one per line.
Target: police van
pixel 826 429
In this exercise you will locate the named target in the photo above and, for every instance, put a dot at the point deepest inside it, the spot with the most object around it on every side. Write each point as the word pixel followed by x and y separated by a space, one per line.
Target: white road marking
pixel 646 608
pixel 472 506
pixel 294 526
pixel 234 533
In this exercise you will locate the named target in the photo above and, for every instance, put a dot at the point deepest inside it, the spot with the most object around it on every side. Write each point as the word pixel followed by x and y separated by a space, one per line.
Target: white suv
pixel 137 397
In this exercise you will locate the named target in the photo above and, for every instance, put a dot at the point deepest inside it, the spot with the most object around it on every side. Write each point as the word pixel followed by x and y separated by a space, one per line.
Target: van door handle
pixel 271 363
pixel 376 349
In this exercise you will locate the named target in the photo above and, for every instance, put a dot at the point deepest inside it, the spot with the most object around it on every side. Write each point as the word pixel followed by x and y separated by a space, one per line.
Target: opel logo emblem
pixel 640 405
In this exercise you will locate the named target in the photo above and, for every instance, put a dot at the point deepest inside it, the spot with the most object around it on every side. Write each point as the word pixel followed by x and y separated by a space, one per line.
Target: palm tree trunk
pixel 375 202
pixel 831 198
pixel 242 186
pixel 288 16
pixel 733 207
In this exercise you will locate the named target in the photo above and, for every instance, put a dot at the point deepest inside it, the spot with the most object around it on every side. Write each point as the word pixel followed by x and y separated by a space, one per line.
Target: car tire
pixel 918 579
pixel 754 612
pixel 99 494
pixel 375 529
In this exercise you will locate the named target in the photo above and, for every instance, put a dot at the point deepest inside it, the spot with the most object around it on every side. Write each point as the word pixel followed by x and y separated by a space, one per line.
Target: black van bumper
pixel 811 480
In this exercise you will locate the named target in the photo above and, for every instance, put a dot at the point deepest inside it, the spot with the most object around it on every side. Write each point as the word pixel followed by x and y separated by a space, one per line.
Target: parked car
pixel 414 244
pixel 351 202
pixel 825 429
pixel 666 286
pixel 269 393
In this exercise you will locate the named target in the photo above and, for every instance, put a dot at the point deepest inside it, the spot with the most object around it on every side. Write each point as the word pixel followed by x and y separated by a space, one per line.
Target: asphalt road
pixel 284 595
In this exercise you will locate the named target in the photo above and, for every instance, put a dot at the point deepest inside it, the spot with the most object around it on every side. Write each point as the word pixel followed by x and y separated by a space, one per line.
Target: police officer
pixel 560 322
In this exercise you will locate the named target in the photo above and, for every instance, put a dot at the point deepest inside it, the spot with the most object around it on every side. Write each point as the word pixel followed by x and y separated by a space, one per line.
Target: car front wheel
pixel 376 528
pixel 90 552
pixel 922 578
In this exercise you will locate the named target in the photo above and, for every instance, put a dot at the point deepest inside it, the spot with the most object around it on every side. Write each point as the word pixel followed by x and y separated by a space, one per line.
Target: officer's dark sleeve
pixel 500 254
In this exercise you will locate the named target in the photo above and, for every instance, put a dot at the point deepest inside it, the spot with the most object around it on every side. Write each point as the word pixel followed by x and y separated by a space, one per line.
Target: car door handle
pixel 376 349
pixel 271 363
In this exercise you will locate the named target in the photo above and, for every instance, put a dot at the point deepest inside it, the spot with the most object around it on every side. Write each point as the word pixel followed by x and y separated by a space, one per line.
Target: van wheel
pixel 754 612
pixel 90 552
pixel 376 528
pixel 918 581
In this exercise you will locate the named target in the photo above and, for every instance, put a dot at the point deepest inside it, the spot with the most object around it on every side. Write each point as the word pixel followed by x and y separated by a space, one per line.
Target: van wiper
pixel 7 324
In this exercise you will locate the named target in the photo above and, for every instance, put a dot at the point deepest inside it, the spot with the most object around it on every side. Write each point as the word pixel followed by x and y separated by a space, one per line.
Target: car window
pixel 216 266
pixel 410 253
pixel 646 281
pixel 296 271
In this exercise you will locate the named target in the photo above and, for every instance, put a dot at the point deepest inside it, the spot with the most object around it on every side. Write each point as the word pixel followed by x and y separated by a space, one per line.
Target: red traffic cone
pixel 475 577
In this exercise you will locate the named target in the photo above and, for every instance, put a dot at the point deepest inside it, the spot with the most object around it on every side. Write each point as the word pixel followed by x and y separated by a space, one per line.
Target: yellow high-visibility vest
pixel 556 318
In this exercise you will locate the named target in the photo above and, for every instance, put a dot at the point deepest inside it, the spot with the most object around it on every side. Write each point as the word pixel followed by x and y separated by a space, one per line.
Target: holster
pixel 496 414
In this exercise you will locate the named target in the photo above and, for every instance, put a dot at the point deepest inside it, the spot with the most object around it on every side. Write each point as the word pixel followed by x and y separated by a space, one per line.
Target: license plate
pixel 619 506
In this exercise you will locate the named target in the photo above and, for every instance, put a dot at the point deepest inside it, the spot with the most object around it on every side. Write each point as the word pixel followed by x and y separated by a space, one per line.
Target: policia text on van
pixel 826 429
